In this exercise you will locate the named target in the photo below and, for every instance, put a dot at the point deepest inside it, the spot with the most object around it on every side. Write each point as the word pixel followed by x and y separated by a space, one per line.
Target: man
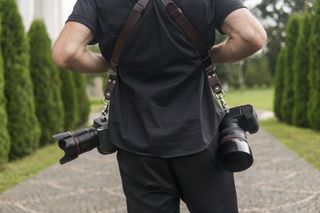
pixel 163 118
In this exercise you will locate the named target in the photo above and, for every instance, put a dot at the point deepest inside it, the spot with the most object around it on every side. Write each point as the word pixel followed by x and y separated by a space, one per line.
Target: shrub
pixel 69 99
pixel 41 67
pixel 58 119
pixel 301 70
pixel 4 135
pixel 287 103
pixel 314 72
pixel 279 79
pixel 23 125
pixel 83 100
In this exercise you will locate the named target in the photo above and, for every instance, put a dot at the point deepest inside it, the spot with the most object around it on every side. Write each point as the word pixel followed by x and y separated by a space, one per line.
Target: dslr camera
pixel 234 153
pixel 84 140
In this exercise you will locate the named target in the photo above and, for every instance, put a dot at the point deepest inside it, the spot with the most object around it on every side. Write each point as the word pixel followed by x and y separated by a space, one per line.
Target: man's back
pixel 162 105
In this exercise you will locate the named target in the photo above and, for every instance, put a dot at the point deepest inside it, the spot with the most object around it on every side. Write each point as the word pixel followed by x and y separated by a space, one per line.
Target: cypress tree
pixel 58 119
pixel 279 79
pixel 69 99
pixel 41 68
pixel 83 100
pixel 23 125
pixel 287 103
pixel 314 72
pixel 301 71
pixel 4 135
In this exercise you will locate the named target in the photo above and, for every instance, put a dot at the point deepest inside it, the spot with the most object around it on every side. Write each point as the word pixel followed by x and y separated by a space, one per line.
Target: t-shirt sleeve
pixel 85 12
pixel 223 8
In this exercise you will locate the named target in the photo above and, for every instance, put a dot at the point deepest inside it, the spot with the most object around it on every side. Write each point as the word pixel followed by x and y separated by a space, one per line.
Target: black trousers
pixel 156 185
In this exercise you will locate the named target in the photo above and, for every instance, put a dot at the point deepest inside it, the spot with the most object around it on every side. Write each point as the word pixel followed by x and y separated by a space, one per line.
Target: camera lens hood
pixel 235 155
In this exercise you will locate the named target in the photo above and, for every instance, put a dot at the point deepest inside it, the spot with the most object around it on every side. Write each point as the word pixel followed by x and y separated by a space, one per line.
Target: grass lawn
pixel 303 141
pixel 259 98
pixel 22 169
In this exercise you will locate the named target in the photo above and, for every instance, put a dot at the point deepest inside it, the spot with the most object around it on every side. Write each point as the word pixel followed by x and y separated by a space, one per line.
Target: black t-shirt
pixel 162 103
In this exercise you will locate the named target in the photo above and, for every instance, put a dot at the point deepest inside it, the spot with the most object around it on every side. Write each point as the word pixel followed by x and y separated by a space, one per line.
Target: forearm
pixel 246 36
pixel 87 62
pixel 70 50
pixel 232 50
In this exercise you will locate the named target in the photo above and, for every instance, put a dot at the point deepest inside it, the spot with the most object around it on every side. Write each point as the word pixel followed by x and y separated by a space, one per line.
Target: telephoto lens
pixel 76 143
pixel 84 140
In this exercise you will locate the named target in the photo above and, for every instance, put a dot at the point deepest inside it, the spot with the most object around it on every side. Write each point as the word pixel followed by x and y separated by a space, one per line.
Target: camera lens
pixel 234 153
pixel 76 143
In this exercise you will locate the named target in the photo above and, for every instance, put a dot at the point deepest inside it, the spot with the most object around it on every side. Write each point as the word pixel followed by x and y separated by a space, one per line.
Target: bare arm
pixel 246 36
pixel 70 50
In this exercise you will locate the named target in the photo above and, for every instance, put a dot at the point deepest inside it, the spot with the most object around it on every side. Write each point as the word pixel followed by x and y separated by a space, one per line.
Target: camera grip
pixel 105 146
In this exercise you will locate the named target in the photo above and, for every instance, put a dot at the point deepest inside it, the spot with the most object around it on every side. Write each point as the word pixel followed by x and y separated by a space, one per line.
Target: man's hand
pixel 246 36
pixel 70 50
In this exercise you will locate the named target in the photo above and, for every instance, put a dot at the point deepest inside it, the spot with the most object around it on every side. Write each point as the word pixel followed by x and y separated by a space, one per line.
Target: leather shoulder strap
pixel 176 13
pixel 185 25
pixel 191 33
pixel 131 21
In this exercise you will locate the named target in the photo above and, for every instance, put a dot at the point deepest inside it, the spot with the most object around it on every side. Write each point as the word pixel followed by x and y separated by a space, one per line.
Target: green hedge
pixel 287 103
pixel 314 76
pixel 83 100
pixel 23 125
pixel 40 68
pixel 58 119
pixel 70 100
pixel 299 103
pixel 4 135
pixel 301 71
pixel 279 86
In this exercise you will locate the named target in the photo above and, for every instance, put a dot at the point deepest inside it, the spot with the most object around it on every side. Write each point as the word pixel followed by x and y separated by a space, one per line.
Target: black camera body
pixel 84 140
pixel 234 153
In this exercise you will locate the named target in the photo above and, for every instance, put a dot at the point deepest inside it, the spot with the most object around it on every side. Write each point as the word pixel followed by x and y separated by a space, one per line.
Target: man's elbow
pixel 257 40
pixel 63 56
pixel 261 39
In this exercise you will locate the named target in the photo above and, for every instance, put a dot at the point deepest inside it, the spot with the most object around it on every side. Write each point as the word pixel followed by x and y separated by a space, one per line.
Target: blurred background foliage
pixel 297 94
pixel 37 100
pixel 23 125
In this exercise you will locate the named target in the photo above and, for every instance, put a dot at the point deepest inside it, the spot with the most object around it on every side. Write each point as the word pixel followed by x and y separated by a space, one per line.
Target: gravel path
pixel 279 181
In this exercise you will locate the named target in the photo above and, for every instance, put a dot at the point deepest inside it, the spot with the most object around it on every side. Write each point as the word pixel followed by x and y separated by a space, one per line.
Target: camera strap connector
pixel 220 97
pixel 111 82
pixel 217 88
pixel 105 112
pixel 112 75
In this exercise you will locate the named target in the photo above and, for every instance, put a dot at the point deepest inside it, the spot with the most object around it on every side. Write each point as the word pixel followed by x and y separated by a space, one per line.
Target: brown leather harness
pixel 190 32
